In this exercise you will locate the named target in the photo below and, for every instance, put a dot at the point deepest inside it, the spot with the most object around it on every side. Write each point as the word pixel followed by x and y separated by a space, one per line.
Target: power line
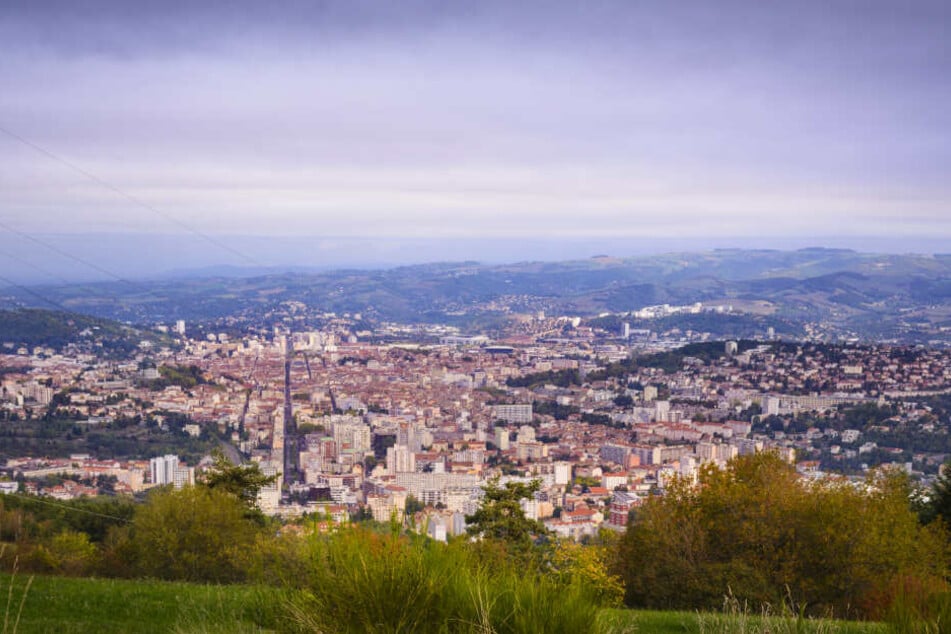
pixel 67 507
pixel 66 254
pixel 75 258
pixel 33 291
pixel 136 201
pixel 36 268
pixel 39 296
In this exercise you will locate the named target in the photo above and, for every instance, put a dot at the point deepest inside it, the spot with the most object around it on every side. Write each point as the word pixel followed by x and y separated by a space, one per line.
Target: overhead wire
pixel 138 202
pixel 41 500
pixel 66 254
pixel 133 199
pixel 36 268
pixel 30 291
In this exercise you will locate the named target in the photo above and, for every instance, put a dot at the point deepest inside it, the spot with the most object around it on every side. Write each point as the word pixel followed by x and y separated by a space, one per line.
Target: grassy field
pixel 655 622
pixel 73 606
pixel 106 606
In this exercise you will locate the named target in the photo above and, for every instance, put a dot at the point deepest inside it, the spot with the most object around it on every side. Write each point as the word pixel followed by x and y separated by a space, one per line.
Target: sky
pixel 420 123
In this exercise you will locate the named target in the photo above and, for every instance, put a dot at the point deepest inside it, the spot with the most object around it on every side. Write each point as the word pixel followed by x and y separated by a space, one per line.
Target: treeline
pixel 558 378
pixel 122 438
pixel 758 530
pixel 362 577
pixel 706 352
pixel 670 361
pixel 55 329
pixel 554 409
pixel 36 327
pixel 184 376
pixel 601 419
pixel 754 530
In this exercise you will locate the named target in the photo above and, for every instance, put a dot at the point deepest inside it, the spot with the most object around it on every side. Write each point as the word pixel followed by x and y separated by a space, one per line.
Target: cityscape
pixel 495 317
pixel 356 426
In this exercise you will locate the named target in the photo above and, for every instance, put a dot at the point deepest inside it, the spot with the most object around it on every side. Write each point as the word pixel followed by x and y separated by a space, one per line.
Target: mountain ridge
pixel 875 293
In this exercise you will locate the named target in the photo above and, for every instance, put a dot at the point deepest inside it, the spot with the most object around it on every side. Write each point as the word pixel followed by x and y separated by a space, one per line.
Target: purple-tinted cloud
pixel 492 119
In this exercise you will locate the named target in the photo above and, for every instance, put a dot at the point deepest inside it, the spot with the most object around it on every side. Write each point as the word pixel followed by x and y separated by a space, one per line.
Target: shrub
pixel 362 581
pixel 68 553
pixel 915 606
pixel 193 534
pixel 758 529
pixel 587 568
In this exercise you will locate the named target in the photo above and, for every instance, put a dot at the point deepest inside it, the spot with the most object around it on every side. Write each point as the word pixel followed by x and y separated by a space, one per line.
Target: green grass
pixel 361 582
pixel 658 622
pixel 72 606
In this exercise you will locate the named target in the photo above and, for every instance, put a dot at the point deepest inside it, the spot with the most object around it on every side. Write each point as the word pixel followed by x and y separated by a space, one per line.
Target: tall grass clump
pixel 358 580
pixel 736 617
pixel 11 620
pixel 918 607
pixel 536 603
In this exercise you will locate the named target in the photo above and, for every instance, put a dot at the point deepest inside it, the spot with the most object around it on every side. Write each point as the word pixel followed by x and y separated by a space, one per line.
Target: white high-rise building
pixel 183 476
pixel 502 438
pixel 355 436
pixel 167 470
pixel 269 497
pixel 513 413
pixel 526 433
pixel 400 459
pixel 162 470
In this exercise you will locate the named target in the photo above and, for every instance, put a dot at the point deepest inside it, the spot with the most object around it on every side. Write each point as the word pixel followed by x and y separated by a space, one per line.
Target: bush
pixel 586 567
pixel 760 531
pixel 914 606
pixel 193 534
pixel 362 581
pixel 68 553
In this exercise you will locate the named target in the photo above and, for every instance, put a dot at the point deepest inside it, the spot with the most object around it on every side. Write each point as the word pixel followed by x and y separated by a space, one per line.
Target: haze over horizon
pixel 371 134
pixel 164 256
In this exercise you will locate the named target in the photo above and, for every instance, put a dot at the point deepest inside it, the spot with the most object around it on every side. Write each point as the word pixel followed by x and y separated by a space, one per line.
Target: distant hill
pixel 856 294
pixel 32 327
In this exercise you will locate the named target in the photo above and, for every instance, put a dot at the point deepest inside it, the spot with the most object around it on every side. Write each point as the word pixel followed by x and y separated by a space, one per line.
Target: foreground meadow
pixel 789 555
pixel 42 604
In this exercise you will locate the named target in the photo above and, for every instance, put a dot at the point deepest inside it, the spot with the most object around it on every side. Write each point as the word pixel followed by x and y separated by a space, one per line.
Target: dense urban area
pixel 376 420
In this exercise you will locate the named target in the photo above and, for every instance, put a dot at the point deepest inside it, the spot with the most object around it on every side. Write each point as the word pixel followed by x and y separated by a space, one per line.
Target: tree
pixel 938 504
pixel 413 505
pixel 69 553
pixel 586 566
pixel 193 534
pixel 759 530
pixel 362 514
pixel 500 516
pixel 242 481
pixel 623 400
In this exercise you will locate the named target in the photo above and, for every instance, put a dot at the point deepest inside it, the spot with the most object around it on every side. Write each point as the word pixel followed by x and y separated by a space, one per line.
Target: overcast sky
pixel 708 120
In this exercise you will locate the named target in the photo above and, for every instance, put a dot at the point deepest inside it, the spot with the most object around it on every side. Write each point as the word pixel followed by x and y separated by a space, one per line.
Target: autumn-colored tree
pixel 586 566
pixel 193 534
pixel 759 530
